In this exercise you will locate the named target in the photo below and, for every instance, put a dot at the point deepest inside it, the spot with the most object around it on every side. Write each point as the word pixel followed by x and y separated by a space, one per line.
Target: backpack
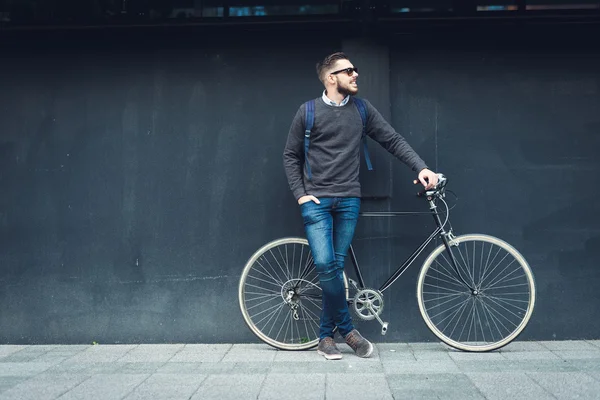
pixel 310 120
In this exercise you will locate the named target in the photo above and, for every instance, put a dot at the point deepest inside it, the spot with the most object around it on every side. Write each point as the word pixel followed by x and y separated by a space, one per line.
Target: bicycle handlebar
pixel 439 188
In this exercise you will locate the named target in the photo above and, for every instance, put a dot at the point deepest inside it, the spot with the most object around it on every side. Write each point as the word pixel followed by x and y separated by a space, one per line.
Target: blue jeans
pixel 329 228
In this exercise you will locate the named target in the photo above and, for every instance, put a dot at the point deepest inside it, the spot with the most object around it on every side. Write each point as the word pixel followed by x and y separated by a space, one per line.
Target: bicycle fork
pixel 448 238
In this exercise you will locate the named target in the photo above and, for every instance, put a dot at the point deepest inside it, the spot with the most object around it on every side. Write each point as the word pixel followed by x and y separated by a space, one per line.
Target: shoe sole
pixel 330 356
pixel 371 347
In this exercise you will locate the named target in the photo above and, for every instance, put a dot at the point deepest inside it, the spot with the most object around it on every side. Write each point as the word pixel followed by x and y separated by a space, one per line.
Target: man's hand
pixel 307 198
pixel 431 177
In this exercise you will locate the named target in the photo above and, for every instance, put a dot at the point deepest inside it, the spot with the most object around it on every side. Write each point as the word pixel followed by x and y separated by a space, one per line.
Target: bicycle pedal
pixel 384 328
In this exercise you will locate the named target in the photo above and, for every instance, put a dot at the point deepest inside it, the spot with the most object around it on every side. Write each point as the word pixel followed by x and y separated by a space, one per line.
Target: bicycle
pixel 280 299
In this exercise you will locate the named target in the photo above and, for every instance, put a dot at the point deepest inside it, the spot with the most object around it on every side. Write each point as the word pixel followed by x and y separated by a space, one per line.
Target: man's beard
pixel 347 91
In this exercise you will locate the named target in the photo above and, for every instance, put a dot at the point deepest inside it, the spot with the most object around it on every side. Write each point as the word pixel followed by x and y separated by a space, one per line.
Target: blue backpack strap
pixel 362 109
pixel 310 120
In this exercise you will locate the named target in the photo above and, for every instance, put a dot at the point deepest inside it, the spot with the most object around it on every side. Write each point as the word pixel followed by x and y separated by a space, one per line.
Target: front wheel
pixel 280 296
pixel 494 305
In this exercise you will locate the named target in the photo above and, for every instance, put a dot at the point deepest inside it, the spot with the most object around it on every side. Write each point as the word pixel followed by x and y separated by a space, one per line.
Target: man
pixel 328 189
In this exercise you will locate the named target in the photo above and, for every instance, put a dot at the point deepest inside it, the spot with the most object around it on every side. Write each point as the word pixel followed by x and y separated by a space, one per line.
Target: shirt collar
pixel 330 102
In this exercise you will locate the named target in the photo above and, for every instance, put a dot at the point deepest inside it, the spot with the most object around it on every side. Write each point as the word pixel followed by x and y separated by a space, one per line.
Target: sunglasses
pixel 348 70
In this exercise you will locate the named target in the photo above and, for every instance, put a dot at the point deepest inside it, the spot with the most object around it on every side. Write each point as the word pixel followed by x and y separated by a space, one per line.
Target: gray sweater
pixel 335 147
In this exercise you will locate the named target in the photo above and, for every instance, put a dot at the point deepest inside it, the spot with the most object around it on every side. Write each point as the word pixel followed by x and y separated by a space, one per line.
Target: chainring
pixel 367 303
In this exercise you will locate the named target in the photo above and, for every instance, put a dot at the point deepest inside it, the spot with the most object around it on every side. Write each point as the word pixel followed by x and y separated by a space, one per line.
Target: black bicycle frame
pixel 439 230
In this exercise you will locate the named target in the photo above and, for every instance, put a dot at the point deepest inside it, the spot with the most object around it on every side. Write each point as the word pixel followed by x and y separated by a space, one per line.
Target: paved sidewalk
pixel 522 370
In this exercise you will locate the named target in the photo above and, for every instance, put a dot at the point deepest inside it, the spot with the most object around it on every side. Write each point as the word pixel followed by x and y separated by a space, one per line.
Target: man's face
pixel 345 76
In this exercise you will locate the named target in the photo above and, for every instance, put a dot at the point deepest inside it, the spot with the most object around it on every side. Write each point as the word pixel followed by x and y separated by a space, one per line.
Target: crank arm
pixel 384 325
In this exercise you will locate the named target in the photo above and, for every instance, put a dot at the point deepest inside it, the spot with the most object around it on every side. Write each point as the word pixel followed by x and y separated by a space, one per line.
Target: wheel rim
pixel 280 297
pixel 495 312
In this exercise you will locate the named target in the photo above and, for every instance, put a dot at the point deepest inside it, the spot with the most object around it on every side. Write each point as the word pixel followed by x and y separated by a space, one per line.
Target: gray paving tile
pixel 230 386
pixel 111 386
pixel 85 368
pixel 51 358
pixel 507 386
pixel 578 354
pixel 178 379
pixel 420 367
pixel 27 354
pixel 369 386
pixel 537 366
pixel 233 380
pixel 593 374
pixel 7 382
pixel 586 365
pixel 20 358
pixel 530 355
pixel 181 368
pixel 70 348
pixel 101 353
pixel 430 355
pixel 39 348
pixel 297 356
pixel 479 366
pixel 201 353
pixel 428 346
pixel 395 352
pixel 467 356
pixel 196 368
pixel 152 353
pixel 168 386
pixel 250 368
pixel 305 386
pixel 8 349
pixel 226 393
pixel 162 392
pixel 325 366
pixel 249 353
pixel 568 385
pixel 569 345
pixel 396 347
pixel 594 343
pixel 523 346
pixel 66 351
pixel 138 367
pixel 43 387
pixel 23 368
pixel 444 386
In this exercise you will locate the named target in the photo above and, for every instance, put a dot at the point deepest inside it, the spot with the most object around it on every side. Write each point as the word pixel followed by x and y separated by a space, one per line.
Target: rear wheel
pixel 498 308
pixel 279 294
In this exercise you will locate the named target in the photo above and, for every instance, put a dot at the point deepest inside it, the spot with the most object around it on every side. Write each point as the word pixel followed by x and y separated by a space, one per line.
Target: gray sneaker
pixel 328 349
pixel 361 346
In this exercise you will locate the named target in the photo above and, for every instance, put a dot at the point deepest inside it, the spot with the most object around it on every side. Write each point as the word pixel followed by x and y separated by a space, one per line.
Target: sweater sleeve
pixel 382 132
pixel 293 155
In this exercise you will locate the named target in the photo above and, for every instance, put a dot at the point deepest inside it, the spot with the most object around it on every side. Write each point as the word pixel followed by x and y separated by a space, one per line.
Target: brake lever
pixel 422 192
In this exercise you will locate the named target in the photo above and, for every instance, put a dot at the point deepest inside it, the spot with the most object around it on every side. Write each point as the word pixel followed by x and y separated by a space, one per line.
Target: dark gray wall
pixel 139 171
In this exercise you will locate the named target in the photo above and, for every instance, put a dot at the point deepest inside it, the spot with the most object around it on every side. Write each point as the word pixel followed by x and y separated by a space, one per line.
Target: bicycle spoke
pixel 259 287
pixel 279 265
pixel 274 317
pixel 506 280
pixel 457 281
pixel 259 304
pixel 465 265
pixel 267 275
pixel 480 326
pixel 438 298
pixel 440 313
pixel 267 310
pixel 493 269
pixel 446 289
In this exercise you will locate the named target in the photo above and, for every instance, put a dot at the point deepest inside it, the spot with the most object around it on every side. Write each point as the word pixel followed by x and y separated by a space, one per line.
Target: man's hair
pixel 328 62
